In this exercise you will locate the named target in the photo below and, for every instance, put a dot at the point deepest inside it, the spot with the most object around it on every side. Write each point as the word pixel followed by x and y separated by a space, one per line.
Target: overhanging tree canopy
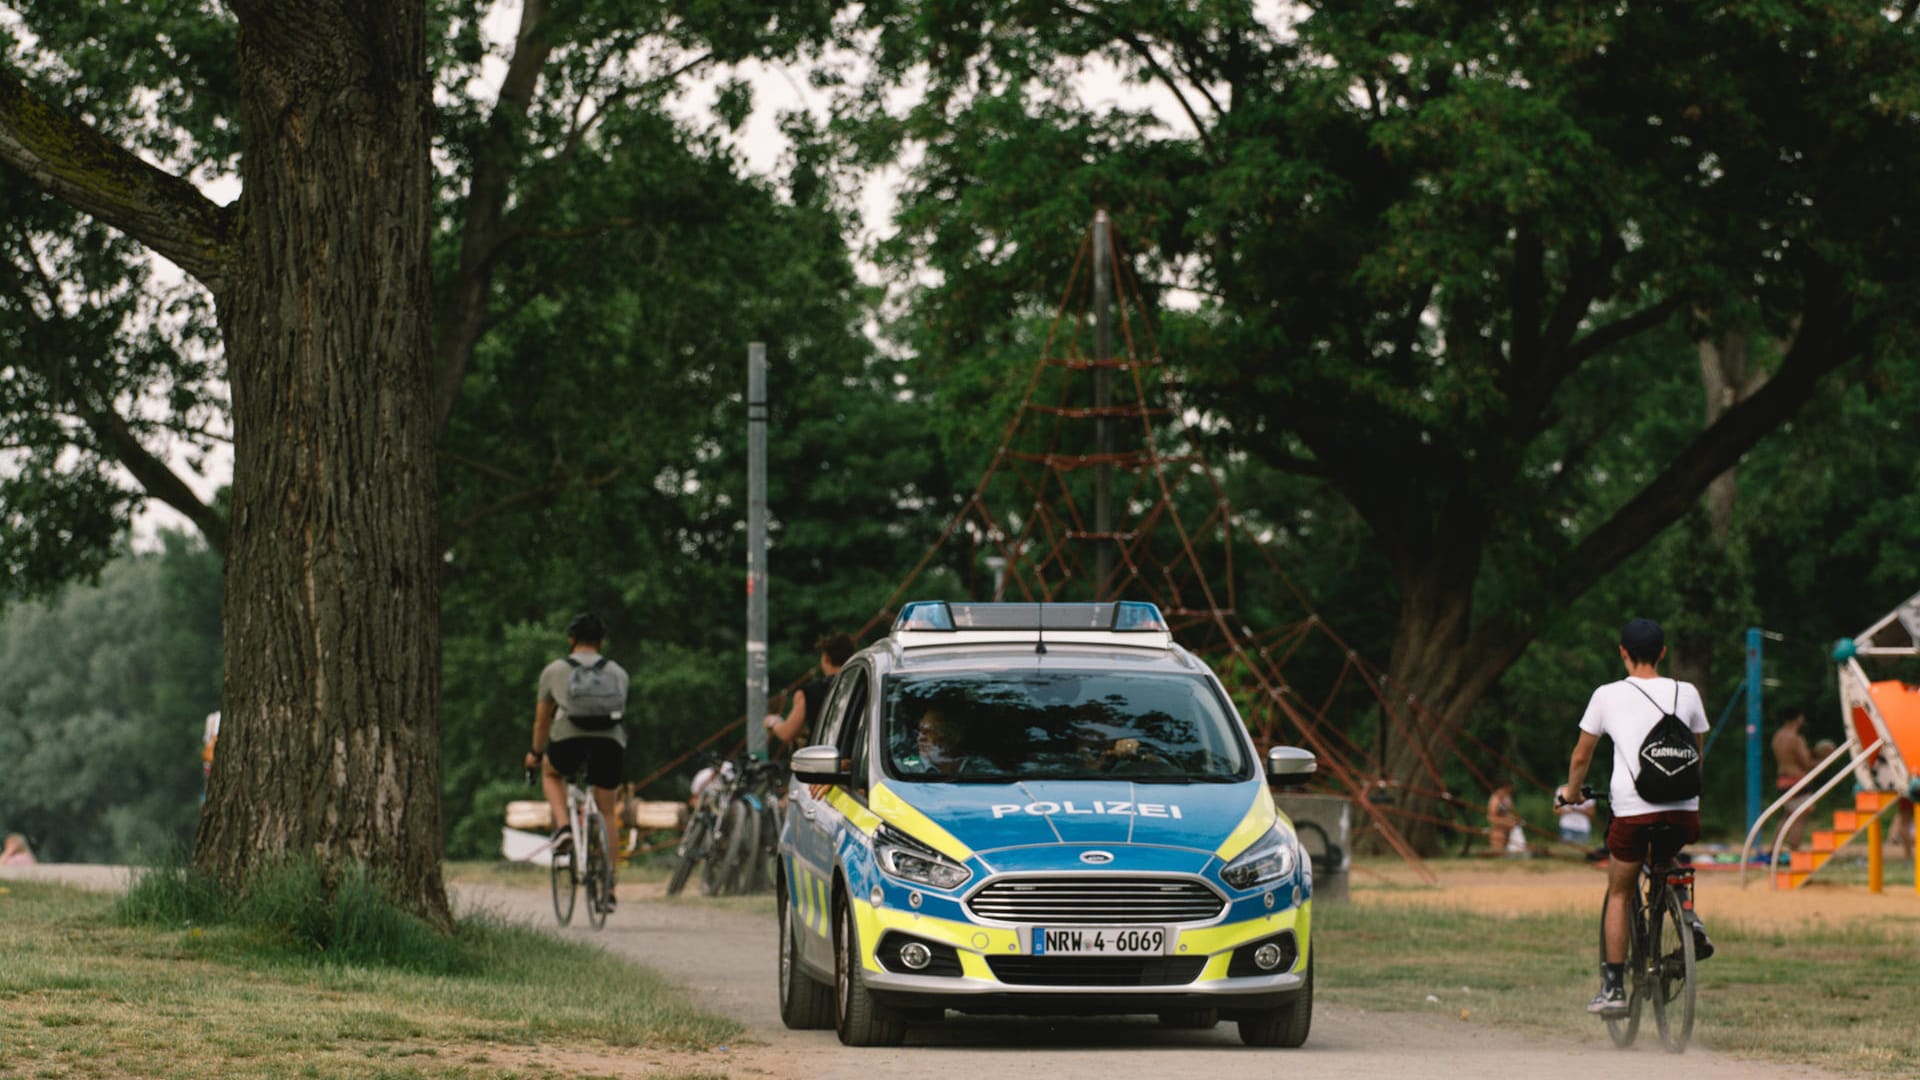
pixel 1421 236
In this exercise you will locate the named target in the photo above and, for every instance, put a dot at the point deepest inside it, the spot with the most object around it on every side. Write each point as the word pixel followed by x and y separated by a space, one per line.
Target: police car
pixel 1039 809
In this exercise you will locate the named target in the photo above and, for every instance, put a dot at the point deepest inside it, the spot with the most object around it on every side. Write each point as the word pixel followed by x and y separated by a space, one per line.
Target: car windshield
pixel 998 727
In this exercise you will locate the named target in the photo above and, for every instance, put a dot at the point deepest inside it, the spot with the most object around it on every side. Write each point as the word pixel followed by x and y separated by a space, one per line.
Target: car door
pixel 816 826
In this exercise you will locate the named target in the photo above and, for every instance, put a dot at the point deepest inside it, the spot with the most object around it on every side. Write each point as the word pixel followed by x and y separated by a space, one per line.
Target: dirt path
pixel 725 955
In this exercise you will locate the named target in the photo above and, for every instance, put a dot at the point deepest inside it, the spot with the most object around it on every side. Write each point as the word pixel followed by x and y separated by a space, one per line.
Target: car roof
pixel 893 659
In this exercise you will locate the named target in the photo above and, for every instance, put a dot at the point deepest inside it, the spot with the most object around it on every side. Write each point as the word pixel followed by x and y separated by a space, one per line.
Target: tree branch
pixel 114 435
pixel 495 160
pixel 1619 330
pixel 527 495
pixel 1825 344
pixel 153 475
pixel 63 156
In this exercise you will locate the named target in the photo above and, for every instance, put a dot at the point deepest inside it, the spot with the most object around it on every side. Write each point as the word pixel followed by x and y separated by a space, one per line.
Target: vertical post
pixel 1102 399
pixel 1754 715
pixel 1876 866
pixel 756 548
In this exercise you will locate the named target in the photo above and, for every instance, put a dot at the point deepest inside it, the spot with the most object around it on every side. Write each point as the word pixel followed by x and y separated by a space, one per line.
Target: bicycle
pixel 570 870
pixel 735 830
pixel 1660 950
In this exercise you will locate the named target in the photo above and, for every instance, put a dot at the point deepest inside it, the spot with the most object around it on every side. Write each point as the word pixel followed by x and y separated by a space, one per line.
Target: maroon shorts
pixel 1628 838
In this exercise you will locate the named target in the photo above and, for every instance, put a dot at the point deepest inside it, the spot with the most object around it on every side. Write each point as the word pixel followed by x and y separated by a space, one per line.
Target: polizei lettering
pixel 1098 806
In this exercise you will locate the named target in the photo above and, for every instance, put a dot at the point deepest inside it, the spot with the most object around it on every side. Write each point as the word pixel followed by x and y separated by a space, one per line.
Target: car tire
pixel 1190 1019
pixel 857 1017
pixel 1287 1025
pixel 806 1003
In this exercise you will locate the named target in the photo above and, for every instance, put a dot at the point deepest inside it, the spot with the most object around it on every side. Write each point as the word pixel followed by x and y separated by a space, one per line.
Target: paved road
pixel 725 955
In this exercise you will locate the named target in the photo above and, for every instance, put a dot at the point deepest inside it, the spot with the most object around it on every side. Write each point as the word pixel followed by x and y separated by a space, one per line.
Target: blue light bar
pixel 924 615
pixel 1135 615
pixel 1125 616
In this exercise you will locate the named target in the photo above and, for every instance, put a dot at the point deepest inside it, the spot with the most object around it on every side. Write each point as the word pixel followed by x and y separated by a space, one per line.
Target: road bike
pixel 574 869
pixel 1660 949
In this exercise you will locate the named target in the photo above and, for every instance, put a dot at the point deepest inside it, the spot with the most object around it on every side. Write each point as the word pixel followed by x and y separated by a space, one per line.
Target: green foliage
pixel 295 906
pixel 1443 267
pixel 103 694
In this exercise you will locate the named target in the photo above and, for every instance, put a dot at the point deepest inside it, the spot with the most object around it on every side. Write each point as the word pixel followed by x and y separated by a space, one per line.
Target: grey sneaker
pixel 1702 944
pixel 1610 1002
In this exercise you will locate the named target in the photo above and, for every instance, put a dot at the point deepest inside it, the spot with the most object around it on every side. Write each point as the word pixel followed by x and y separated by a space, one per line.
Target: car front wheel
pixel 1285 1026
pixel 857 1017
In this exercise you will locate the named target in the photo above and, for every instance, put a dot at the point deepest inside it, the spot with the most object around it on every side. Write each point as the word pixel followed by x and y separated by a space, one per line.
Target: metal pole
pixel 1753 726
pixel 756 549
pixel 1102 399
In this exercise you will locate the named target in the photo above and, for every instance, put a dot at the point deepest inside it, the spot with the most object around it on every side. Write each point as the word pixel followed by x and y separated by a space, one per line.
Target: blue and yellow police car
pixel 1039 809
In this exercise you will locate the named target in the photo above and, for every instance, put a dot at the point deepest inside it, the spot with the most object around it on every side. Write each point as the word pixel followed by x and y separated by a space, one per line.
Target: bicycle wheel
pixel 769 850
pixel 693 846
pixel 1624 1029
pixel 713 880
pixel 564 881
pixel 732 864
pixel 599 871
pixel 1672 972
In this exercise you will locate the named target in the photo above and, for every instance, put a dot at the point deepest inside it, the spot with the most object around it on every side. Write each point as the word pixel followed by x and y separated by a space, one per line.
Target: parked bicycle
pixel 734 830
pixel 584 860
pixel 1660 950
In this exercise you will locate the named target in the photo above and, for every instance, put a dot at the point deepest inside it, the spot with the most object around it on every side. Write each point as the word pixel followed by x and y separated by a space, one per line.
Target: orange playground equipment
pixel 1880 752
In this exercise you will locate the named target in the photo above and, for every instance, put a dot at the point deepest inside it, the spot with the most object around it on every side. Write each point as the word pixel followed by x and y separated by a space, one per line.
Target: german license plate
pixel 1098 941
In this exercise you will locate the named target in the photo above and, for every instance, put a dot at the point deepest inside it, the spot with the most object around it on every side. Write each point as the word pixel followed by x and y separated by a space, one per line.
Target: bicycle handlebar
pixel 1587 794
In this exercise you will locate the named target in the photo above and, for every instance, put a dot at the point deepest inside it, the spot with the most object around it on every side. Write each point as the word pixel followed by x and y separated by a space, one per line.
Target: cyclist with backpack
pixel 1658 728
pixel 577 723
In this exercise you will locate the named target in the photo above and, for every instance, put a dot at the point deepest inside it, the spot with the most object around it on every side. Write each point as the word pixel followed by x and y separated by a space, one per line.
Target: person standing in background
pixel 1793 760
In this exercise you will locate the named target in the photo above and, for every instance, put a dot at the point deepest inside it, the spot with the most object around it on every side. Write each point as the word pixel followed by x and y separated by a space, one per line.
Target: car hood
pixel 993 817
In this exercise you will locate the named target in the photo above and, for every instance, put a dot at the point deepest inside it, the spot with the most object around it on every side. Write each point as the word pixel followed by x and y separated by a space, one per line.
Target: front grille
pixel 1096 970
pixel 1096 901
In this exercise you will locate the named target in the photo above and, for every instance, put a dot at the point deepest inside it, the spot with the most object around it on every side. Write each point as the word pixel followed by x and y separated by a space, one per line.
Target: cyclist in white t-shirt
pixel 1626 712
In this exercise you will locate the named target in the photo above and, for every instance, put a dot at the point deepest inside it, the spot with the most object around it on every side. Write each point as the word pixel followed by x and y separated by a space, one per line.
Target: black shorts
pixel 1629 838
pixel 604 759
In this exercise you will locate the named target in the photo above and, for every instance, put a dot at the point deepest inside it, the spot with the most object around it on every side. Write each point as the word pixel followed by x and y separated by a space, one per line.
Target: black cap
pixel 1642 636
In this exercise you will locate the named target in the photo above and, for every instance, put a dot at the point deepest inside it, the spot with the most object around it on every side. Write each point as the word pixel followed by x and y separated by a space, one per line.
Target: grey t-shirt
pixel 553 688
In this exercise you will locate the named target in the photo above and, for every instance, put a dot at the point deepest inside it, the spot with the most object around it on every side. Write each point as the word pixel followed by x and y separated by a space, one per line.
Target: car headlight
pixel 1269 859
pixel 904 857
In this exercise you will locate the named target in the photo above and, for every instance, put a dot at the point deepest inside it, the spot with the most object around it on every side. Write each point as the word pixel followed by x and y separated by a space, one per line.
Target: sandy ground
pixel 724 956
pixel 1517 888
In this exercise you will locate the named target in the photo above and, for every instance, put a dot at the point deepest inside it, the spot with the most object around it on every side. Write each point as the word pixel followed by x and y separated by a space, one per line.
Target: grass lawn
pixel 83 995
pixel 1841 998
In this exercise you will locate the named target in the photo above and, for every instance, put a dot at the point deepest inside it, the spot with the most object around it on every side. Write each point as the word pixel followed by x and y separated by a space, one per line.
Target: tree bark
pixel 330 744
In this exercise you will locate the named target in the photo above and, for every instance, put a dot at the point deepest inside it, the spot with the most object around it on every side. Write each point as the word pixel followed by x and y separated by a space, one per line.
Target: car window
pixel 831 709
pixel 1005 726
pixel 854 745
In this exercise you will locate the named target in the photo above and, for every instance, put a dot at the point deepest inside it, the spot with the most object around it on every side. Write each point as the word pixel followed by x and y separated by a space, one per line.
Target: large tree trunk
pixel 1429 666
pixel 330 742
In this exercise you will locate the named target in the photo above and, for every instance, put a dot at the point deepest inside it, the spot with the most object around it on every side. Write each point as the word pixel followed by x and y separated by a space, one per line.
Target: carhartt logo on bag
pixel 1669 756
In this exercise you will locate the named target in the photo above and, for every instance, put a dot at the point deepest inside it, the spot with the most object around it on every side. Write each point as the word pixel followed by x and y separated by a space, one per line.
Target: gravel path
pixel 725 955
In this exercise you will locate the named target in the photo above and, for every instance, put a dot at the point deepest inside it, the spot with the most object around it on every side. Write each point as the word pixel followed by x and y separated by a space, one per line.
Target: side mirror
pixel 1288 766
pixel 820 765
